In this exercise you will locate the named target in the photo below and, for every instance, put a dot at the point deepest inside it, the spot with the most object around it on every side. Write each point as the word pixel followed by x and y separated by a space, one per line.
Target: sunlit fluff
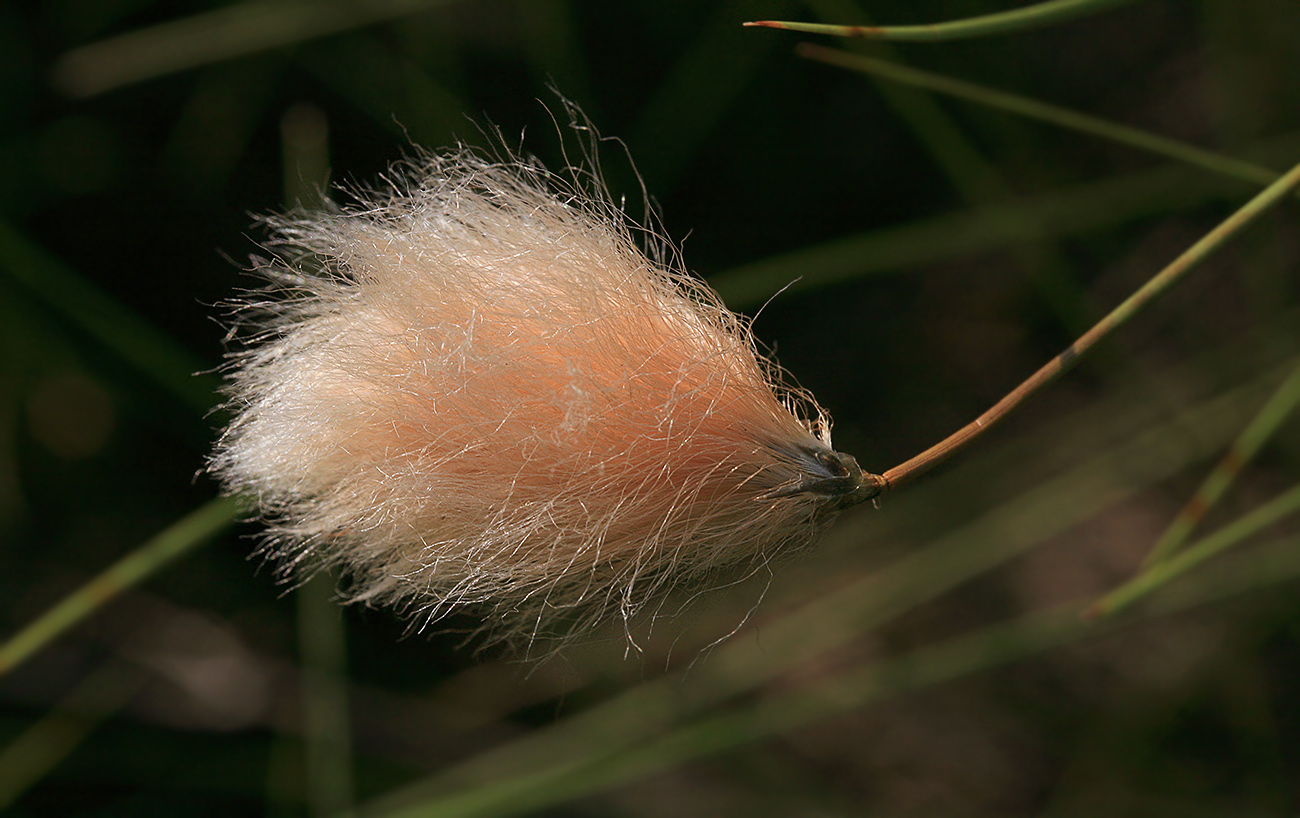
pixel 473 388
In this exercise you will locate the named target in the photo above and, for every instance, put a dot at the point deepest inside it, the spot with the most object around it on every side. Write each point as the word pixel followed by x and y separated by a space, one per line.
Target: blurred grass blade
pixel 1158 284
pixel 1005 22
pixel 988 648
pixel 1278 408
pixel 972 175
pixel 304 137
pixel 304 140
pixel 376 81
pixel 326 727
pixel 1060 213
pixel 724 729
pixel 106 320
pixel 1161 573
pixel 190 531
pixel 978 180
pixel 221 34
pixel 1044 112
pixel 859 605
pixel 865 684
pixel 694 95
pixel 54 737
pixel 1082 209
pixel 218 123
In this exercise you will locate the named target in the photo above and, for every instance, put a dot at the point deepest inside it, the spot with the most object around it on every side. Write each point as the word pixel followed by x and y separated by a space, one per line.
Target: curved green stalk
pixel 1005 22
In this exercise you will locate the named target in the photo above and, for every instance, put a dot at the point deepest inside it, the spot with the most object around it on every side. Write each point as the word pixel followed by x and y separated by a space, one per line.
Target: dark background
pixel 985 243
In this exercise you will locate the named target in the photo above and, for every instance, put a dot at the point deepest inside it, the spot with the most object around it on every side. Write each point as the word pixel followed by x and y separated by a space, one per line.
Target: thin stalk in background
pixel 322 640
pixel 1005 22
pixel 57 734
pixel 1044 112
pixel 107 320
pixel 1278 408
pixel 1116 470
pixel 1161 573
pixel 213 36
pixel 976 178
pixel 1073 211
pixel 727 728
pixel 327 731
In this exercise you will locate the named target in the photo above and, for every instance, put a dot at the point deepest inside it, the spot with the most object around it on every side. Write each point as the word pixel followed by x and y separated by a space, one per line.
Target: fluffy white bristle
pixel 474 388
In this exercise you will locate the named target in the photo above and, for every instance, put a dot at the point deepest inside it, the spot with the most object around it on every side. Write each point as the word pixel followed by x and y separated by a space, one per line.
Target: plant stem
pixel 1053 369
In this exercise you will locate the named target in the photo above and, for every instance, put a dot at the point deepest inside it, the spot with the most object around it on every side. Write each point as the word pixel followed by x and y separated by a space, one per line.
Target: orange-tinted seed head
pixel 474 388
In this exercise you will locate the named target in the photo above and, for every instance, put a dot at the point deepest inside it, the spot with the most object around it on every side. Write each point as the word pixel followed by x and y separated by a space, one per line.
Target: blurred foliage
pixel 928 659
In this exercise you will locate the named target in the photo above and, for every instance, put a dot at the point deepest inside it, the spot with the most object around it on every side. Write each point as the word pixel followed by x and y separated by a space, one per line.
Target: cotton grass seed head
pixel 474 389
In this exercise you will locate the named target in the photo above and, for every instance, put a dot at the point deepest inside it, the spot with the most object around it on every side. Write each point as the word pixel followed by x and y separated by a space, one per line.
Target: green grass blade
pixel 304 137
pixel 1061 213
pixel 1005 22
pixel 973 175
pixel 189 532
pixel 1161 573
pixel 326 729
pixel 988 648
pixel 222 34
pixel 57 734
pixel 1044 112
pixel 107 321
pixel 1278 408
pixel 863 603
